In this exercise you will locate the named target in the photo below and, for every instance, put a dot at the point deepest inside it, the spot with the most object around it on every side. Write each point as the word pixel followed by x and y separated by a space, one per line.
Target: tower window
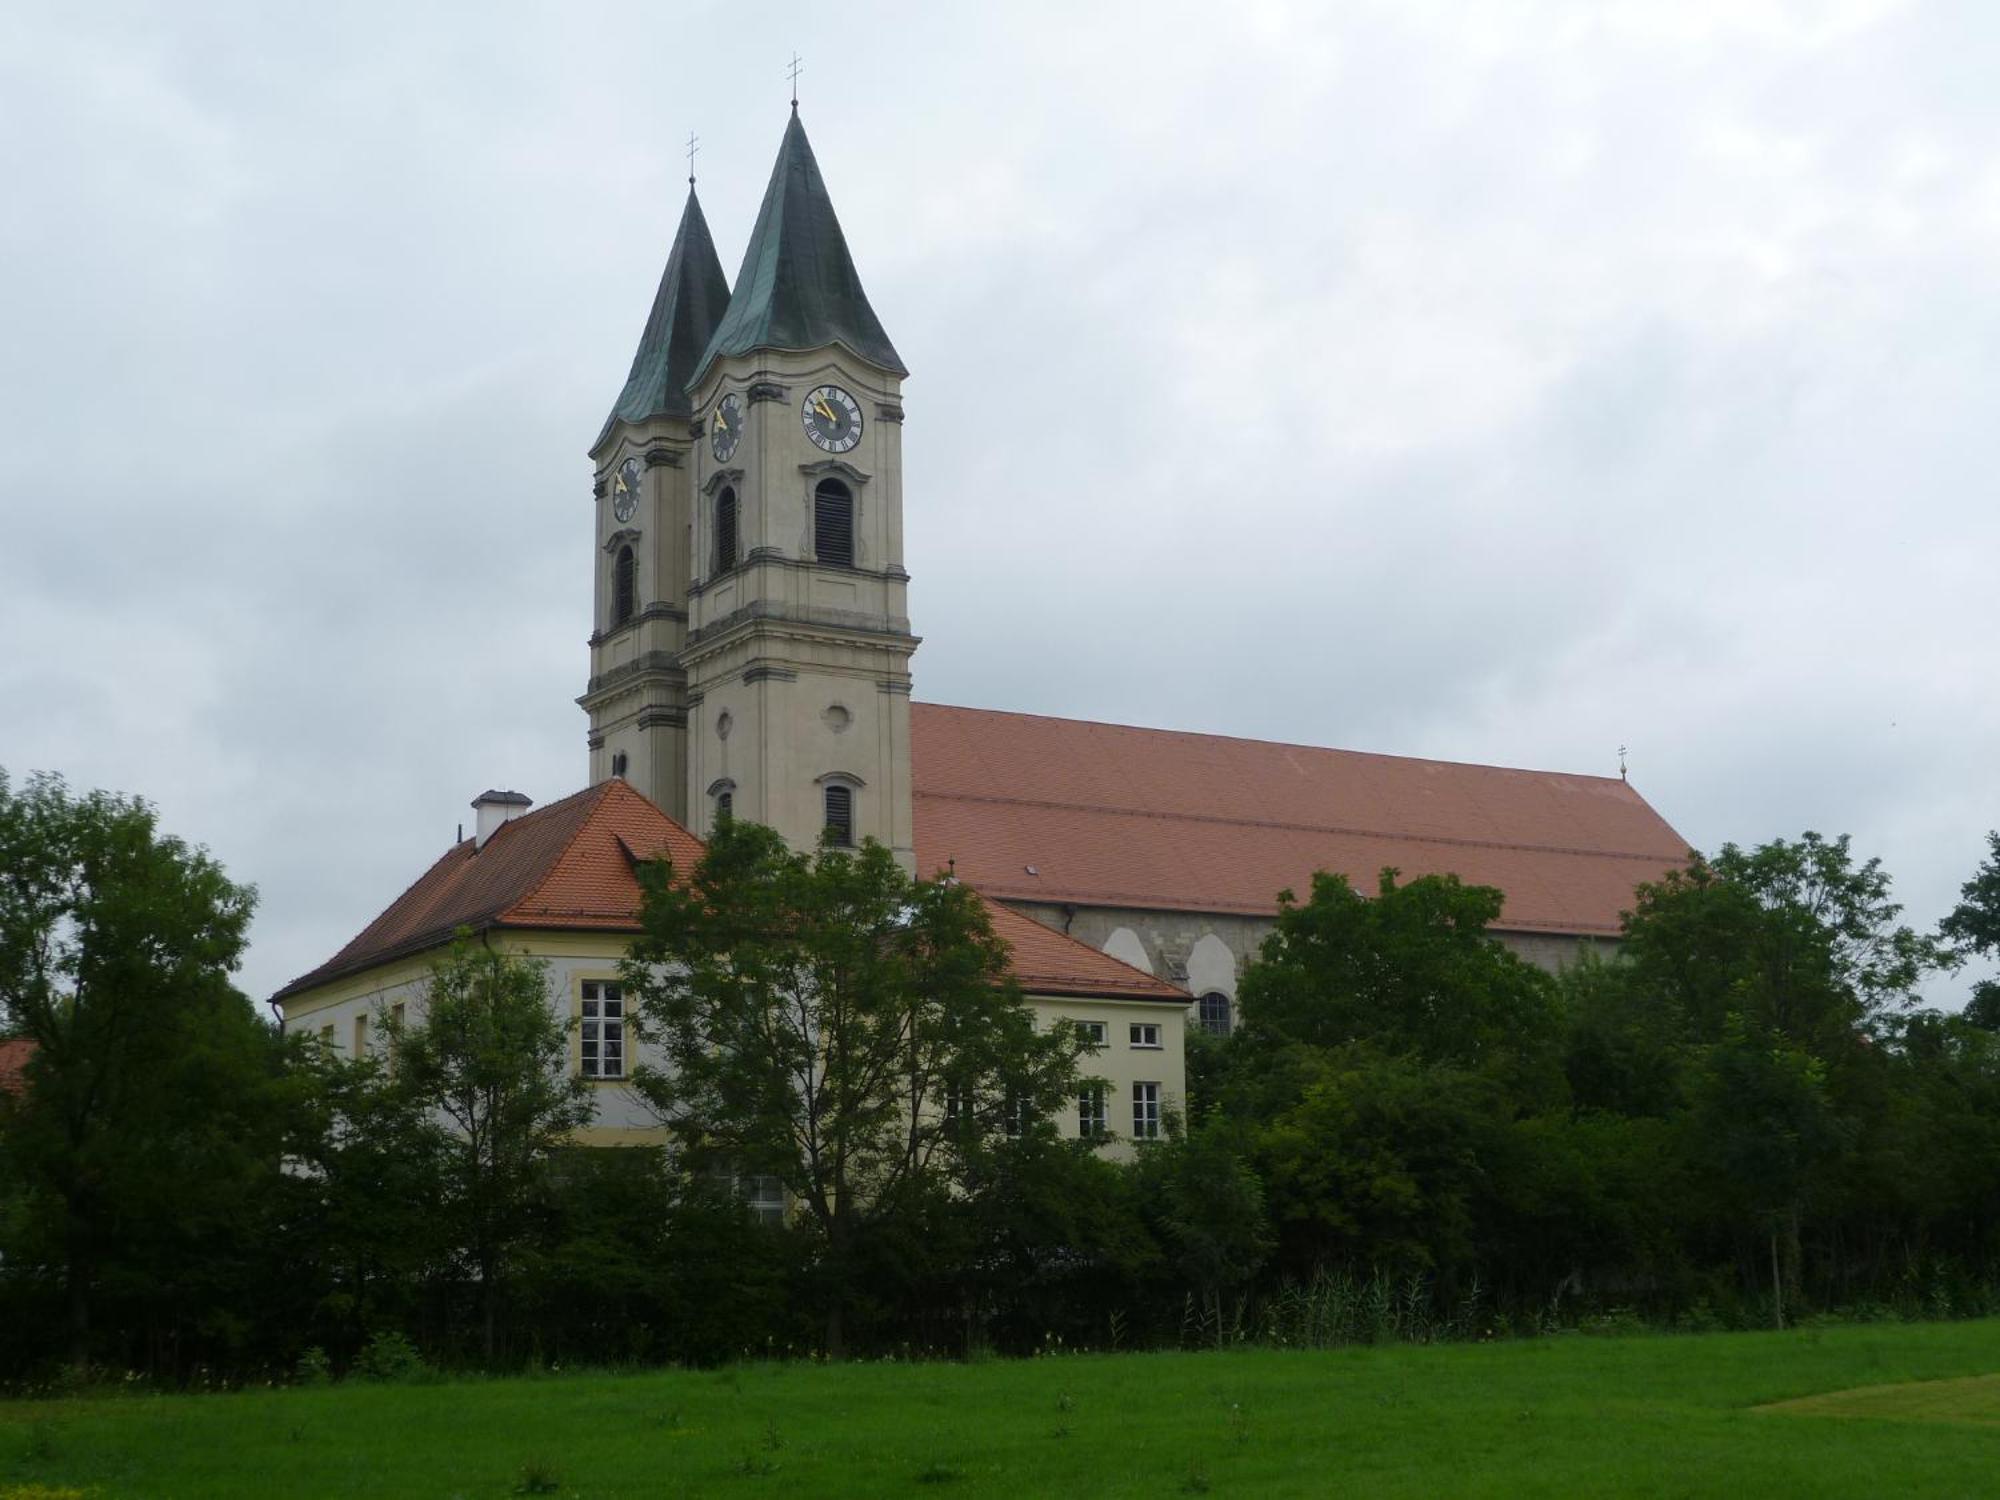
pixel 618 763
pixel 725 531
pixel 840 814
pixel 725 806
pixel 1213 1011
pixel 624 586
pixel 833 523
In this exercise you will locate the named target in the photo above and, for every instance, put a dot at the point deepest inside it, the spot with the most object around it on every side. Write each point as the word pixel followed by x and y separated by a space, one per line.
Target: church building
pixel 750 656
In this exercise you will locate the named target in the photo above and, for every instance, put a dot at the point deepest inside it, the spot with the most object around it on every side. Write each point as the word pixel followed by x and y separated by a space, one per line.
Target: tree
pixel 492 1056
pixel 368 1160
pixel 1793 936
pixel 1411 970
pixel 1974 927
pixel 830 1021
pixel 148 1117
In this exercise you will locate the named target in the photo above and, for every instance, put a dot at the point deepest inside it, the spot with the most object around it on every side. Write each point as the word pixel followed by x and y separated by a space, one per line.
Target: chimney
pixel 493 809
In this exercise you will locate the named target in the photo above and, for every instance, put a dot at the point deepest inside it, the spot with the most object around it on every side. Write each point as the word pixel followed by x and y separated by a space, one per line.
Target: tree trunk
pixel 836 1344
pixel 1777 1282
pixel 76 1290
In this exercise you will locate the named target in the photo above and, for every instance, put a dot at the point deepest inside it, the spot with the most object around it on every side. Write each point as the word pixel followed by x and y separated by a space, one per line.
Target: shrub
pixel 389 1358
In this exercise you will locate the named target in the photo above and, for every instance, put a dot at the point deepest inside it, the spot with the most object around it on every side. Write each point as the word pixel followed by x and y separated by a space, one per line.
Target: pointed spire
pixel 693 293
pixel 798 288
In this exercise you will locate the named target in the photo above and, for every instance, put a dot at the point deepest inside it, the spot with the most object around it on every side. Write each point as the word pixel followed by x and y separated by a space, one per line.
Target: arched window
pixel 839 814
pixel 618 763
pixel 725 531
pixel 725 807
pixel 833 523
pixel 624 586
pixel 1213 1011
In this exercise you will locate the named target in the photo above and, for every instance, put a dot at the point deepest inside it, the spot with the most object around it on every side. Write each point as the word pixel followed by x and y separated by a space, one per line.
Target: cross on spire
pixel 693 147
pixel 793 73
pixel 1621 762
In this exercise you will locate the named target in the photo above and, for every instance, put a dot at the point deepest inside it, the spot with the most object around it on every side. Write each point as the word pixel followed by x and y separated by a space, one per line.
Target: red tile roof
pixel 572 865
pixel 1063 810
pixel 567 865
pixel 1047 962
pixel 14 1055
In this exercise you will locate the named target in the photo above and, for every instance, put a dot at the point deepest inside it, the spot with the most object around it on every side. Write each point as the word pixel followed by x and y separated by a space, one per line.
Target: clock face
pixel 832 419
pixel 725 428
pixel 625 489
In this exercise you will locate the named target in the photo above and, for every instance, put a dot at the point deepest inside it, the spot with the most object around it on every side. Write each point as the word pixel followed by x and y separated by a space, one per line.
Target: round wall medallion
pixel 837 718
pixel 723 724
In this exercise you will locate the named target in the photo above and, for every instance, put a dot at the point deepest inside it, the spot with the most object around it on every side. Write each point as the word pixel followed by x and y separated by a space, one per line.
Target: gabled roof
pixel 572 864
pixel 798 288
pixel 693 293
pixel 1062 810
pixel 1047 962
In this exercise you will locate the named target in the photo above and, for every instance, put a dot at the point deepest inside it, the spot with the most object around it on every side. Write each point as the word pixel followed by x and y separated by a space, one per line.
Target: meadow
pixel 1826 1412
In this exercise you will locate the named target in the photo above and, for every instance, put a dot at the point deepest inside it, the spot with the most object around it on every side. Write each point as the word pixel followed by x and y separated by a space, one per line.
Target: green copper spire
pixel 692 295
pixel 798 288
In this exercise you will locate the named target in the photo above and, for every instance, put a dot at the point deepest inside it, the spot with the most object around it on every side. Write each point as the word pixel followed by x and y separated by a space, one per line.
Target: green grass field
pixel 1563 1416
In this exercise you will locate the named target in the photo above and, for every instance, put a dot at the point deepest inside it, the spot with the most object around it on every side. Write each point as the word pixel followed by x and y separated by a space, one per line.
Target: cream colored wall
pixel 1119 1065
pixel 571 959
pixel 621 1118
pixel 798 672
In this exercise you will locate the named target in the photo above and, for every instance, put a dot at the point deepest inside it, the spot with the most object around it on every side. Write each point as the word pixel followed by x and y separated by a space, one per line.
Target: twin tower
pixel 751 647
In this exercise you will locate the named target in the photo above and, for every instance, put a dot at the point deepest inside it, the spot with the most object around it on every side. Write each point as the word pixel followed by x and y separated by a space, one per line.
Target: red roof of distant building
pixel 1063 810
pixel 1047 962
pixel 14 1055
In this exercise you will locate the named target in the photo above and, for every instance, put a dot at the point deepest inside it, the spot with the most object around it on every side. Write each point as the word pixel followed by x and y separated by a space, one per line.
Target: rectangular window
pixel 1093 1032
pixel 326 1033
pixel 1090 1117
pixel 725 531
pixel 603 1029
pixel 1145 1034
pixel 840 814
pixel 361 1035
pixel 1145 1111
pixel 833 524
pixel 765 1197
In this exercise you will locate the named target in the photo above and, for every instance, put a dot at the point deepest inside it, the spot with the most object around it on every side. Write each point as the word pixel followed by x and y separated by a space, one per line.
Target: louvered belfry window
pixel 833 523
pixel 725 531
pixel 840 814
pixel 624 586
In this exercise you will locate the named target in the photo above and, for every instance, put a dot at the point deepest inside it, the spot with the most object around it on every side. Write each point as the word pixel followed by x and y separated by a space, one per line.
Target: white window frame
pixel 764 1195
pixel 1146 1036
pixel 601 1033
pixel 1145 1111
pixel 1206 1022
pixel 1097 1033
pixel 1093 1111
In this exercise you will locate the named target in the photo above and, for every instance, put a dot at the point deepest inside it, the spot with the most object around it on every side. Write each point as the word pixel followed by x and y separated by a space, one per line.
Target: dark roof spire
pixel 693 293
pixel 798 288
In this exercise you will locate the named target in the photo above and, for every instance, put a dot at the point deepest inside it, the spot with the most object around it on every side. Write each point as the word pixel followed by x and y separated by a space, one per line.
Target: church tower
pixel 798 645
pixel 644 493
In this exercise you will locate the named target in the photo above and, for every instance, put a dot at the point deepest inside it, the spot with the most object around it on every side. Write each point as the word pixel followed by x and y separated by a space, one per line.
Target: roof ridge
pixel 1242 739
pixel 1331 828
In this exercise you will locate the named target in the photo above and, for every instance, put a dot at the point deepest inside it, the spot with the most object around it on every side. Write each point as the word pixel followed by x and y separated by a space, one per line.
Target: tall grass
pixel 1341 1307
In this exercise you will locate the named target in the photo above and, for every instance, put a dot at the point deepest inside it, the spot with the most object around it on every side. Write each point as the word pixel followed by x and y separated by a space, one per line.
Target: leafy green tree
pixel 491 1054
pixel 368 1159
pixel 1207 1207
pixel 1412 969
pixel 149 1117
pixel 830 1021
pixel 1974 927
pixel 1792 936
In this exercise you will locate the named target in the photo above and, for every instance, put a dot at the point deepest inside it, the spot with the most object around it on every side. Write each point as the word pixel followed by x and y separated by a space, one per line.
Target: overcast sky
pixel 1501 383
